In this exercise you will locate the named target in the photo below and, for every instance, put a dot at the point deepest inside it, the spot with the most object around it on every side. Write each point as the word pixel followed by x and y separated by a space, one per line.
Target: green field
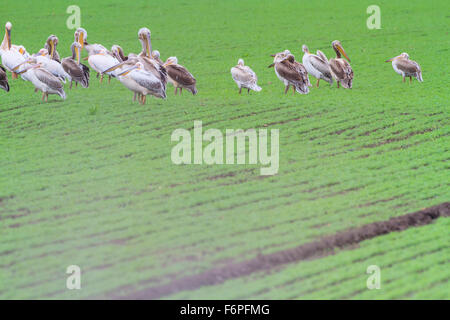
pixel 89 181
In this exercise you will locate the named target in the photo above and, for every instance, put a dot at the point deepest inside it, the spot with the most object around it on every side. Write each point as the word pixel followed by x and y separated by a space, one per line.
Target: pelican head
pixel 305 48
pixel 404 55
pixel 279 57
pixel 8 27
pixel 171 60
pixel 156 54
pixel 117 51
pixel 81 36
pixel 337 46
pixel 241 62
pixel 42 52
pixel 144 36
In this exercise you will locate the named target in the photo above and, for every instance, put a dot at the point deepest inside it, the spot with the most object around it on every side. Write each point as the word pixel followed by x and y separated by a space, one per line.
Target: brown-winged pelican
pixel 3 79
pixel 291 72
pixel 179 76
pixel 76 70
pixel 340 69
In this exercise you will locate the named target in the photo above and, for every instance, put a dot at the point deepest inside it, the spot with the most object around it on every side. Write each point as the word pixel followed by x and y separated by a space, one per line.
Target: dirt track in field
pixel 312 250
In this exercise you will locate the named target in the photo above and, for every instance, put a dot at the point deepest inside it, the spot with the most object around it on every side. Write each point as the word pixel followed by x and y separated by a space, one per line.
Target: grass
pixel 89 180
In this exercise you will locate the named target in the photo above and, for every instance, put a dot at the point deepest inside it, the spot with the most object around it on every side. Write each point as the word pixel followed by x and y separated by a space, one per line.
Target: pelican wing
pixel 288 70
pixel 180 74
pixel 147 80
pixel 322 55
pixel 408 66
pixel 243 76
pixel 154 67
pixel 47 78
pixel 341 68
pixel 76 71
pixel 320 64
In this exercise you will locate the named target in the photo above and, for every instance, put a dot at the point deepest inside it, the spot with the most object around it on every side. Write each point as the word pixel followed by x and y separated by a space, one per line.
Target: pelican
pixel 76 70
pixel 118 53
pixel 51 65
pixel 3 79
pixel 99 58
pixel 406 67
pixel 340 68
pixel 146 57
pixel 11 56
pixel 244 77
pixel 291 72
pixel 157 56
pixel 179 76
pixel 142 82
pixel 43 81
pixel 50 45
pixel 125 79
pixel 317 65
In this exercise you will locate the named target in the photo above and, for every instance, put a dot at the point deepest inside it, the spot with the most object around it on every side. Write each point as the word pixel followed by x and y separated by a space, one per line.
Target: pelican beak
pixel 168 63
pixel 8 36
pixel 148 47
pixel 21 51
pixel 341 50
pixel 114 67
pixel 127 71
pixel 272 55
pixel 81 39
pixel 271 65
pixel 77 52
pixel 392 59
pixel 52 48
pixel 21 64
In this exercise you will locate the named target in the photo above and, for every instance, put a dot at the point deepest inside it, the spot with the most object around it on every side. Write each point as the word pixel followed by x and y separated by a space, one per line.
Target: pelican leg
pixel 181 90
pixel 144 98
pixel 176 90
pixel 14 75
pixel 410 79
pixel 134 97
pixel 101 79
pixel 248 91
pixel 338 84
pixel 98 74
pixel 76 84
pixel 36 90
pixel 317 84
pixel 109 79
pixel 43 95
pixel 286 89
pixel 70 85
pixel 293 89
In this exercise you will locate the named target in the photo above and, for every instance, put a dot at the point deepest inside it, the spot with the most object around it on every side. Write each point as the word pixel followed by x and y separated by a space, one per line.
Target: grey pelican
pixel 3 79
pixel 76 70
pixel 340 69
pixel 317 65
pixel 43 81
pixel 179 76
pixel 406 67
pixel 11 55
pixel 50 45
pixel 142 82
pixel 291 72
pixel 244 77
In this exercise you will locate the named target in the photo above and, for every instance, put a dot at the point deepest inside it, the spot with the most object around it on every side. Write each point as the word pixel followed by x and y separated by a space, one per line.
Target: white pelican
pixel 244 77
pixel 157 56
pixel 99 58
pixel 317 65
pixel 11 56
pixel 340 68
pixel 50 45
pixel 406 67
pixel 54 67
pixel 291 72
pixel 179 76
pixel 3 79
pixel 43 81
pixel 142 82
pixel 76 70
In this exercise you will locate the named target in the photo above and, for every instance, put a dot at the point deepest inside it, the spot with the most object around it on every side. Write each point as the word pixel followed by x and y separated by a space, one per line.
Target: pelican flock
pixel 145 73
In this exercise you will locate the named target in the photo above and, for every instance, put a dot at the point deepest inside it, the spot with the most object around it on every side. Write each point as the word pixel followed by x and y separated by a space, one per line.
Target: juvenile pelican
pixel 179 76
pixel 43 81
pixel 142 82
pixel 406 67
pixel 50 45
pixel 11 56
pixel 77 71
pixel 317 65
pixel 290 72
pixel 244 77
pixel 146 57
pixel 340 68
pixel 3 79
